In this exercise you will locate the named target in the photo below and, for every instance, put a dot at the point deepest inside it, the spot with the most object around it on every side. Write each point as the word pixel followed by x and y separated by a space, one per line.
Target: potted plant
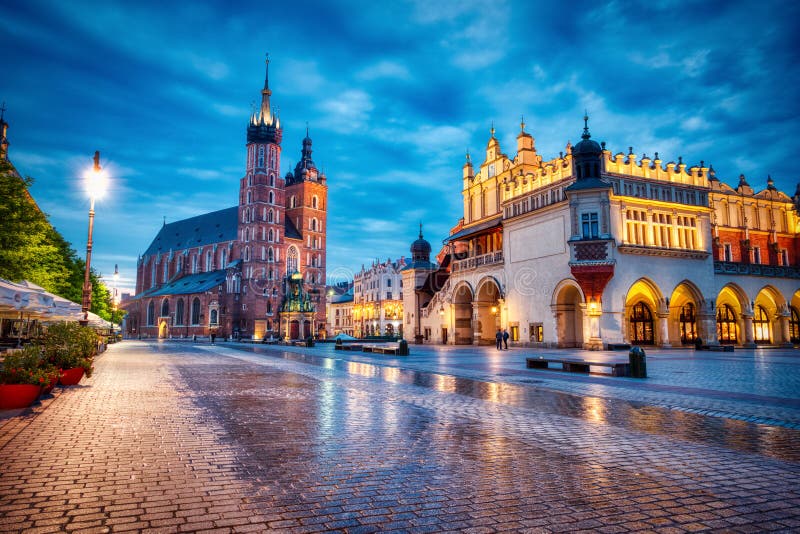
pixel 22 378
pixel 71 348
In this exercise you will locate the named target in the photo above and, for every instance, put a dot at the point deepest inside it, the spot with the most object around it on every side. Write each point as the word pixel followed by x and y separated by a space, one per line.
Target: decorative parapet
pixel 641 250
pixel 478 261
pixel 754 269
pixel 651 169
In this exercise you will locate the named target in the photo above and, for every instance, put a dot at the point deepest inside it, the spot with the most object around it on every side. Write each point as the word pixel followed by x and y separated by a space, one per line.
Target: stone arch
pixel 462 298
pixel 770 317
pixel 731 308
pixel 487 310
pixel 569 308
pixel 643 304
pixel 685 304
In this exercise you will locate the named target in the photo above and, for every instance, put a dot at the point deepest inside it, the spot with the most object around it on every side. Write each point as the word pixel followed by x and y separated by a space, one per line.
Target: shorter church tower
pixel 306 211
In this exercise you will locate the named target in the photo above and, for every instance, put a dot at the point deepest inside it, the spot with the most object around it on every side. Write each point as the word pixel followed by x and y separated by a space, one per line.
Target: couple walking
pixel 502 339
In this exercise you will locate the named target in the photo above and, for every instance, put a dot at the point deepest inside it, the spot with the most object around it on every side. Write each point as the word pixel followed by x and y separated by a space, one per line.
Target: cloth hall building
pixel 254 270
pixel 595 248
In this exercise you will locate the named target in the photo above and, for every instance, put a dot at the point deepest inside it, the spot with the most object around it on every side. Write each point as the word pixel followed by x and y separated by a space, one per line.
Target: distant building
pixel 252 270
pixel 378 299
pixel 593 248
pixel 340 309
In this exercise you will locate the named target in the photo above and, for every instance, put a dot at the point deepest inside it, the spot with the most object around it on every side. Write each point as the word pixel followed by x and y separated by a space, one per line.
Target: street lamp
pixel 95 186
pixel 116 280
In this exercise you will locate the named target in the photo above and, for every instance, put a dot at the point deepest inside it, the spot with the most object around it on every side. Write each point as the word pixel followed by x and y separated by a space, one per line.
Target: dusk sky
pixel 394 94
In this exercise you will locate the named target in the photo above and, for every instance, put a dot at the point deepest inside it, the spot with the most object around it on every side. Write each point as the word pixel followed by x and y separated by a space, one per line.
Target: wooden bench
pixel 348 346
pixel 577 366
pixel 717 348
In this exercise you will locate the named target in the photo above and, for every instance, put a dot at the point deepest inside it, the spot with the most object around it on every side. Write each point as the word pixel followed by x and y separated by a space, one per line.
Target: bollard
pixel 402 349
pixel 638 363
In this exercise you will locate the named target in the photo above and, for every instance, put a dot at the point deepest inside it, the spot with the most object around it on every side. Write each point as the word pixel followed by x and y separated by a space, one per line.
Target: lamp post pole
pixel 86 301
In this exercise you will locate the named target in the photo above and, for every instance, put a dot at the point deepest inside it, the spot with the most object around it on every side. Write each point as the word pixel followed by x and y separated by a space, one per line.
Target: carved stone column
pixel 783 319
pixel 749 339
pixel 663 330
pixel 476 323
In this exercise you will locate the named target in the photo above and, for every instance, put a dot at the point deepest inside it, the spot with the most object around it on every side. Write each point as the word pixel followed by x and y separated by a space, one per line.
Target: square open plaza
pixel 602 342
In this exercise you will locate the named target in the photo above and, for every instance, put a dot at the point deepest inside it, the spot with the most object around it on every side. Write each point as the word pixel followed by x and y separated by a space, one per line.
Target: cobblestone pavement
pixel 190 437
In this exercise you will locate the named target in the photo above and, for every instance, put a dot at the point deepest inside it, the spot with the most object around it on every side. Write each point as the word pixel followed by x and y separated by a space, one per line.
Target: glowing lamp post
pixel 95 186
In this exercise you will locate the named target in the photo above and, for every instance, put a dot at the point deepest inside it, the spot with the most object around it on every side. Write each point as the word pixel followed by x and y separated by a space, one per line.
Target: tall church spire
pixel 265 116
pixel 264 126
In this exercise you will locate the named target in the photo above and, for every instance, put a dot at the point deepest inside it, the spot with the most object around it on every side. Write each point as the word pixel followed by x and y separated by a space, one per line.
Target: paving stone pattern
pixel 182 438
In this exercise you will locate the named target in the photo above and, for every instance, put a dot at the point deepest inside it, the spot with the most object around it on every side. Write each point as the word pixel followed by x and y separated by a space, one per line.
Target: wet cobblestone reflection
pixel 179 437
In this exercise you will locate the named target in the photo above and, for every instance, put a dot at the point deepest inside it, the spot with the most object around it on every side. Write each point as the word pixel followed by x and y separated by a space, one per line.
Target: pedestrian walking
pixel 499 338
pixel 505 338
pixel 213 337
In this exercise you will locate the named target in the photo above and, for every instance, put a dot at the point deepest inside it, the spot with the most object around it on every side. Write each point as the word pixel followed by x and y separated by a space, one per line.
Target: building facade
pixel 253 270
pixel 340 310
pixel 378 299
pixel 593 248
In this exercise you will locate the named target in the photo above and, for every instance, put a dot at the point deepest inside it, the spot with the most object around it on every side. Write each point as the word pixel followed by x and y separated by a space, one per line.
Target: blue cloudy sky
pixel 394 94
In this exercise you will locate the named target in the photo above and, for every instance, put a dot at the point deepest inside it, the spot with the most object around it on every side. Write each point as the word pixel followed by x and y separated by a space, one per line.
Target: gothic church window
pixel 269 216
pixel 179 312
pixel 196 311
pixel 314 202
pixel 165 308
pixel 261 156
pixel 271 197
pixel 151 312
pixel 292 262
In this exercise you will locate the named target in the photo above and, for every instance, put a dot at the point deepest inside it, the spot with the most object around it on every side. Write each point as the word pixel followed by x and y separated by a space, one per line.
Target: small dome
pixel 587 146
pixel 420 249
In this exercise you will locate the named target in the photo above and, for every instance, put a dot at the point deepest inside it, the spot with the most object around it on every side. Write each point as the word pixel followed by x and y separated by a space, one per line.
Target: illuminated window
pixel 641 321
pixel 794 325
pixel 688 324
pixel 726 325
pixel 760 325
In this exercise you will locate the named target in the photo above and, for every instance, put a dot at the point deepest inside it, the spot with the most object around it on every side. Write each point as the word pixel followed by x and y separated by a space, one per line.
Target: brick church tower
pixel 306 209
pixel 282 226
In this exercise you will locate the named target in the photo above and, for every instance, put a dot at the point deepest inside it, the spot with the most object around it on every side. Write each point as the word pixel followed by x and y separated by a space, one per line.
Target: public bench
pixel 382 349
pixel 619 346
pixel 577 366
pixel 348 346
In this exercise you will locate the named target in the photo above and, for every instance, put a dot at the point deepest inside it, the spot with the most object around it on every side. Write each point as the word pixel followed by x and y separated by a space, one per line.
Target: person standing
pixel 505 338
pixel 499 338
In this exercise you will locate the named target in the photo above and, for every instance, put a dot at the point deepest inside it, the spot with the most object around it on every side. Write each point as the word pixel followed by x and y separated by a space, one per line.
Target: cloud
pixel 384 69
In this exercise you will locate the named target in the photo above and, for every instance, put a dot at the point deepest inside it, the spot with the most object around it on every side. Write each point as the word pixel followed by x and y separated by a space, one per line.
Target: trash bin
pixel 402 348
pixel 638 364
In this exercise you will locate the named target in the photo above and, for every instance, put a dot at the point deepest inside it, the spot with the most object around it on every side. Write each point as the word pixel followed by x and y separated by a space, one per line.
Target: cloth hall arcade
pixel 593 248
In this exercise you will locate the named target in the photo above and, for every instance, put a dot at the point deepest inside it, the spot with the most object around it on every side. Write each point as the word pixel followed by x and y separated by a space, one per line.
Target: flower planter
pixel 49 387
pixel 70 377
pixel 14 396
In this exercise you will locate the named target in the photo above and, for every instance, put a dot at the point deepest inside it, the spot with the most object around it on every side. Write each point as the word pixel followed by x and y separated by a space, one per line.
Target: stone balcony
pixel 478 261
